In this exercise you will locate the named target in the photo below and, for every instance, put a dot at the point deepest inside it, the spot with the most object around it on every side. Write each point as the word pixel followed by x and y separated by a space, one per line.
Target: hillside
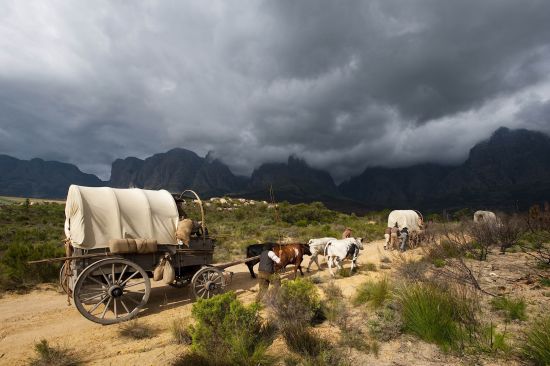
pixel 510 170
pixel 39 178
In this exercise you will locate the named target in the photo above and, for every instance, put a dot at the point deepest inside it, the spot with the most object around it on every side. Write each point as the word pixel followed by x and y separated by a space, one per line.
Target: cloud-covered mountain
pixel 176 170
pixel 39 178
pixel 509 170
pixel 294 180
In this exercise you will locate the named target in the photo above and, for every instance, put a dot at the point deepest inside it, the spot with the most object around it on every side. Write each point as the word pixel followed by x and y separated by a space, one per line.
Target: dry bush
pixel 47 355
pixel 136 330
pixel 180 332
pixel 412 269
pixel 386 324
pixel 333 307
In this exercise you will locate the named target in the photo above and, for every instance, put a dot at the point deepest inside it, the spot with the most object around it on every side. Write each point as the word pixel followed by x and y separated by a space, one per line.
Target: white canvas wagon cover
pixel 95 215
pixel 405 218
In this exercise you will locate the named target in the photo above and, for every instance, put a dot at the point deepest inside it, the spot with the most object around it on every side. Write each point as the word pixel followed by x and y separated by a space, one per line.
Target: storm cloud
pixel 343 84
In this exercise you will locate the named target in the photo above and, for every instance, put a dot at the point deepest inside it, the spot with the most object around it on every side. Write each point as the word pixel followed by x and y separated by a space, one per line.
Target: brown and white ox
pixel 288 253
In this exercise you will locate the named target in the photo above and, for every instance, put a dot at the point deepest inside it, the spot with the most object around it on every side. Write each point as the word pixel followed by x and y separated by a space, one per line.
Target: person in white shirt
pixel 266 269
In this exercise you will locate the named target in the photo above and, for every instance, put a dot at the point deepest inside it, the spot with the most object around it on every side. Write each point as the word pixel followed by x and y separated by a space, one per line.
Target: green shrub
pixel 439 263
pixel 373 293
pixel 228 332
pixel 512 308
pixel 47 355
pixel 545 281
pixel 537 342
pixel 439 315
pixel 296 302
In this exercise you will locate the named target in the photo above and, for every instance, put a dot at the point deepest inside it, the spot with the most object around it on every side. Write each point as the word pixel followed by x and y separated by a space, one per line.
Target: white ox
pixel 316 247
pixel 338 250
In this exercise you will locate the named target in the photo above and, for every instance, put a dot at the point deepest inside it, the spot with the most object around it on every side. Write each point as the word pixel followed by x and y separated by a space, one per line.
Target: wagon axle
pixel 116 291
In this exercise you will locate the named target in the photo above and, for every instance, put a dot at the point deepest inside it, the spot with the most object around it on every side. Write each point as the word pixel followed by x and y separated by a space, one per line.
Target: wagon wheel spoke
pixel 93 297
pixel 134 284
pixel 104 276
pixel 99 303
pixel 124 306
pixel 96 281
pixel 106 307
pixel 132 300
pixel 129 278
pixel 122 273
pixel 114 307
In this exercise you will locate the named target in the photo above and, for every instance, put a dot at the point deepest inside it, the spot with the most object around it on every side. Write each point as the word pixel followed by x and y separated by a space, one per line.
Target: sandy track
pixel 44 313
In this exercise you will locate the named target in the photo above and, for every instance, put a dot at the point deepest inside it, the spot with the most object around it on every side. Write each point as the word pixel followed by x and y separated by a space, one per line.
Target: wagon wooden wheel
pixel 207 282
pixel 111 290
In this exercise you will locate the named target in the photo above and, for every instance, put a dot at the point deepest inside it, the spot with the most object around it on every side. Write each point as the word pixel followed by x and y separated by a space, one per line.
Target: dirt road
pixel 44 313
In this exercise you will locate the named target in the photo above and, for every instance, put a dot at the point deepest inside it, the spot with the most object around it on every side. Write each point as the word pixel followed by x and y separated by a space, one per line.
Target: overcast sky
pixel 343 84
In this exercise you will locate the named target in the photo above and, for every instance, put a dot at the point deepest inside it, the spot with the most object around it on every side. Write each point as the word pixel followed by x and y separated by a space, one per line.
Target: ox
pixel 288 253
pixel 316 247
pixel 338 250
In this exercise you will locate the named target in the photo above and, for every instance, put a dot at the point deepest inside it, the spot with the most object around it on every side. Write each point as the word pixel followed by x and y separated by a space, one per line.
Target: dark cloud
pixel 343 84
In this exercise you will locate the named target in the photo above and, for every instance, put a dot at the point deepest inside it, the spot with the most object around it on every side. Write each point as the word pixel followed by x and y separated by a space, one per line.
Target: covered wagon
pixel 485 217
pixel 412 220
pixel 116 239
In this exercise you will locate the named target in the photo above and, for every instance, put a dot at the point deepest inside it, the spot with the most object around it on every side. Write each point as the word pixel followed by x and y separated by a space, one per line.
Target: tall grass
pixel 512 308
pixel 375 294
pixel 429 313
pixel 447 317
pixel 537 342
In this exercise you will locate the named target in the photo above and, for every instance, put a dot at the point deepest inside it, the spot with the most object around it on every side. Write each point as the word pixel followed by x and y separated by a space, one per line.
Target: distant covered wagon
pixel 412 220
pixel 485 217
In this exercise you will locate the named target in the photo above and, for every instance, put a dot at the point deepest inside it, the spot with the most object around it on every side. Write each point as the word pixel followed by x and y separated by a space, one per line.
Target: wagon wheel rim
pixel 111 291
pixel 208 282
pixel 62 277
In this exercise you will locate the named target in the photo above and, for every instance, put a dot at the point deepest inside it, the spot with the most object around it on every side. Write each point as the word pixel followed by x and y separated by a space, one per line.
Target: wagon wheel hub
pixel 210 285
pixel 116 291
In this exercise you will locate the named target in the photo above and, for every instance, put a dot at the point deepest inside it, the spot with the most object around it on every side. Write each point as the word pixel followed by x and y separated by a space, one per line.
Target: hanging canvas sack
pixel 169 274
pixel 159 270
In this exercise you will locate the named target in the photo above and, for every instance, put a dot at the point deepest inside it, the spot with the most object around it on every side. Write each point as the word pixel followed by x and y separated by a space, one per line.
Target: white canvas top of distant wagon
pixel 485 216
pixel 410 219
pixel 110 285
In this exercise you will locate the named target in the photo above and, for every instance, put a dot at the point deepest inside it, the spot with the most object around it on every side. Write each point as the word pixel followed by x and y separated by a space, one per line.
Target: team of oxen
pixel 334 250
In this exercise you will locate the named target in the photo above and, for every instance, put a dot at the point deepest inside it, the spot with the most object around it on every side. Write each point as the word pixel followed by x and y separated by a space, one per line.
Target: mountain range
pixel 510 170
